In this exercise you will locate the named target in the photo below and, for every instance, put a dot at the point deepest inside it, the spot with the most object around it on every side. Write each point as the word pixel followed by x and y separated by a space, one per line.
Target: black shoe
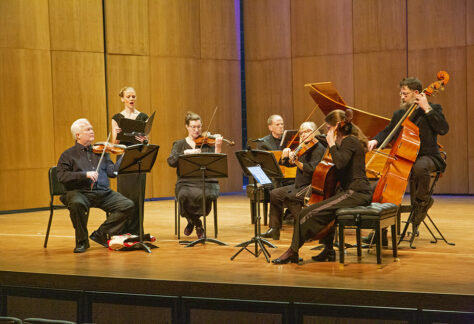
pixel 199 232
pixel 328 254
pixel 81 246
pixel 99 238
pixel 368 239
pixel 288 257
pixel 273 233
pixel 188 230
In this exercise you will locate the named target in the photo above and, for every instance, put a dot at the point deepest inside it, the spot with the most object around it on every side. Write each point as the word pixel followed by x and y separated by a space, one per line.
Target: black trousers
pixel 79 201
pixel 420 179
pixel 284 197
pixel 313 219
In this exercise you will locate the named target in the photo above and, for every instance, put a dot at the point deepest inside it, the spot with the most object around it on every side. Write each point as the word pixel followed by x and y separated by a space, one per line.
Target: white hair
pixel 77 126
pixel 308 124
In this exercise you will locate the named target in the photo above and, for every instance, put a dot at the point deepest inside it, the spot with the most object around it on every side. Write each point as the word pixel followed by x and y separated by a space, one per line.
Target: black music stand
pixel 203 166
pixel 139 159
pixel 266 163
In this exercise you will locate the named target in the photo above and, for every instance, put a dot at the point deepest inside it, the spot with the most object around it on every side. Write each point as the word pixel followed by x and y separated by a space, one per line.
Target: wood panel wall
pixel 178 55
pixel 184 55
pixel 365 48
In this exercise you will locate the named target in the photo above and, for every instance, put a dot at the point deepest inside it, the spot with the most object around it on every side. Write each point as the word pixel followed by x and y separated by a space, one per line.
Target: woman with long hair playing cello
pixel 347 146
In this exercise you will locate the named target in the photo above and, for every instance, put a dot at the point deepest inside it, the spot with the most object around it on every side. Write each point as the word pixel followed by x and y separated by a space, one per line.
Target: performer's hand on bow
pixel 93 175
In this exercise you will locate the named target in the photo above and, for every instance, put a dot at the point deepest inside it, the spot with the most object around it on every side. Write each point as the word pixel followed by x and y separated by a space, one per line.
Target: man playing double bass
pixel 431 122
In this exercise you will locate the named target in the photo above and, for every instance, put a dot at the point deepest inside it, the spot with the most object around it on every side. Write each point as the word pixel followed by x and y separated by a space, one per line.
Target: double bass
pixel 394 177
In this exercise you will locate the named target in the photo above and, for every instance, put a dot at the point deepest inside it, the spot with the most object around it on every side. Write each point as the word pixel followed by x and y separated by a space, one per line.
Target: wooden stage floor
pixel 433 276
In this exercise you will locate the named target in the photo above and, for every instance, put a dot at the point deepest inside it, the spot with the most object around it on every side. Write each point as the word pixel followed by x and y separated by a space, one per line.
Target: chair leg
pixel 359 242
pixel 394 240
pixel 175 217
pixel 378 237
pixel 49 225
pixel 341 243
pixel 215 217
pixel 179 222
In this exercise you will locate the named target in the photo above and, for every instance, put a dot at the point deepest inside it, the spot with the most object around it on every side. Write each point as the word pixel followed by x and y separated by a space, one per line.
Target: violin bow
pixel 209 126
pixel 101 158
pixel 307 118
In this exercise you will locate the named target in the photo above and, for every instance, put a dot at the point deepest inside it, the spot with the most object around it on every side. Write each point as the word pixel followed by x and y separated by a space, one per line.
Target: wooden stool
pixel 375 216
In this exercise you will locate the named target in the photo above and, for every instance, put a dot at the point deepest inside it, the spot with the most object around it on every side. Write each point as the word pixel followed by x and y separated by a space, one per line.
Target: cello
pixel 394 177
pixel 324 182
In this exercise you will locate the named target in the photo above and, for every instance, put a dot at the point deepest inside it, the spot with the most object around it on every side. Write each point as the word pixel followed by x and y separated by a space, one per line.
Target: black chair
pixel 408 209
pixel 56 189
pixel 177 217
pixel 376 216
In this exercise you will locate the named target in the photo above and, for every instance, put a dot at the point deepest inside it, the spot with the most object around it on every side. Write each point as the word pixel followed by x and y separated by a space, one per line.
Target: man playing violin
pixel 431 122
pixel 189 191
pixel 292 196
pixel 88 187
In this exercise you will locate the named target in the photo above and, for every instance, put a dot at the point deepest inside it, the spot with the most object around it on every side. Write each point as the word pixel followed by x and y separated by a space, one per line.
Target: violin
pixel 208 139
pixel 303 147
pixel 109 148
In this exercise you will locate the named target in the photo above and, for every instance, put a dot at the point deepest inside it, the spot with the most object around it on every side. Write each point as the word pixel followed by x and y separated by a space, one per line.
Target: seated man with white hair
pixel 88 187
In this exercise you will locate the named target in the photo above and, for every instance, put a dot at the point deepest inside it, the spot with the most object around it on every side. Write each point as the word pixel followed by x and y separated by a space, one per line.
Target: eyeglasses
pixel 405 93
pixel 195 127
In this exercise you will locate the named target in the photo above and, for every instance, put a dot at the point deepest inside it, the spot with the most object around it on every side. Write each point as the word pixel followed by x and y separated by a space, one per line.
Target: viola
pixel 303 147
pixel 109 148
pixel 210 140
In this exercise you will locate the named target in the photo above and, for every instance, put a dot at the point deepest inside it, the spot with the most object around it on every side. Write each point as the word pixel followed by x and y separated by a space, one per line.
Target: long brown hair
pixel 345 125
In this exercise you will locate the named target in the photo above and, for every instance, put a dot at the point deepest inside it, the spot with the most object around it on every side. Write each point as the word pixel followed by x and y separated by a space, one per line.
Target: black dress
pixel 189 191
pixel 128 184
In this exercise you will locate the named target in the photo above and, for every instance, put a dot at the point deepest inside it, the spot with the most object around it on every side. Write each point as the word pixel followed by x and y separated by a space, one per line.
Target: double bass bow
pixel 394 177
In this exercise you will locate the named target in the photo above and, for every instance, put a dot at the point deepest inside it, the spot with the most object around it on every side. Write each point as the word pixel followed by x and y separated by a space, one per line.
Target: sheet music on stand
pixel 132 127
pixel 260 176
pixel 287 136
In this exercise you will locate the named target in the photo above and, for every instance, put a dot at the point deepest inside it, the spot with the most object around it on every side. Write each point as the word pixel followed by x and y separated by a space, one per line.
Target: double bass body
pixel 393 182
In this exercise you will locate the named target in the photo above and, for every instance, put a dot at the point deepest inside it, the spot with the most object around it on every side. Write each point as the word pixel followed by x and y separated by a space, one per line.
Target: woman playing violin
pixel 347 146
pixel 189 191
pixel 292 196
pixel 128 184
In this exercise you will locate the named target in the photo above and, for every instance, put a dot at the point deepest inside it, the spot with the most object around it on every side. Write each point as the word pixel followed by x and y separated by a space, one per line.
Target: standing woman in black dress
pixel 128 184
pixel 189 191
pixel 347 146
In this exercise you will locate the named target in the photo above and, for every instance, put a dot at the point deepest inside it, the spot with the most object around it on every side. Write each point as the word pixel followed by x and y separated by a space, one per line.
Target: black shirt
pixel 76 161
pixel 270 143
pixel 349 158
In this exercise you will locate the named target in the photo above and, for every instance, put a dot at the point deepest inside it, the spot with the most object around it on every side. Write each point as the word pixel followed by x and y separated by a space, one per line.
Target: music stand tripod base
pixel 258 165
